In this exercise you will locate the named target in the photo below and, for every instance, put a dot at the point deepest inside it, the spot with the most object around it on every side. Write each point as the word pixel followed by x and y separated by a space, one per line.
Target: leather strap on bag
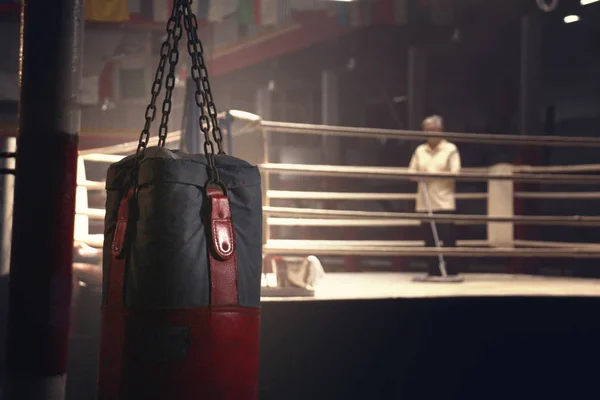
pixel 118 257
pixel 221 252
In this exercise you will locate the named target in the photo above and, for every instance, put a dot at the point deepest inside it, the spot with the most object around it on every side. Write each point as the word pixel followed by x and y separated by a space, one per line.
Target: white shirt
pixel 443 159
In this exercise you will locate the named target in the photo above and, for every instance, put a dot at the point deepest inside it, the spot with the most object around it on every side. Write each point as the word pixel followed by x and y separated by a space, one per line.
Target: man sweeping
pixel 436 196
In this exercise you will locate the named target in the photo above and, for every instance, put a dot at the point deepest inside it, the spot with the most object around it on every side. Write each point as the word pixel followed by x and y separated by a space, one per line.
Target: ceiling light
pixel 586 2
pixel 569 19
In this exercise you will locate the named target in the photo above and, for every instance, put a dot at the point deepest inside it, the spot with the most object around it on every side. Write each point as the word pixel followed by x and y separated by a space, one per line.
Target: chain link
pixel 165 54
pixel 170 82
pixel 169 51
pixel 200 77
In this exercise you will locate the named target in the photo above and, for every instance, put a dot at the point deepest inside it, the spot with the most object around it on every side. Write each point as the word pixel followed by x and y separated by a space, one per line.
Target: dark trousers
pixel 446 233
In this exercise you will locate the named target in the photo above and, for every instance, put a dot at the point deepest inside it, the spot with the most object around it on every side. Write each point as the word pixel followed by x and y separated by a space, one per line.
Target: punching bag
pixel 182 261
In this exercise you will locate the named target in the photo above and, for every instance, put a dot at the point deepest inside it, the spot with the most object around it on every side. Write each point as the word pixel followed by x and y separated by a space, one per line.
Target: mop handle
pixel 436 238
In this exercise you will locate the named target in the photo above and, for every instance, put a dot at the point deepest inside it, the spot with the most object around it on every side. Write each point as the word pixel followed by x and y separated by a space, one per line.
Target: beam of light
pixel 569 19
pixel 586 2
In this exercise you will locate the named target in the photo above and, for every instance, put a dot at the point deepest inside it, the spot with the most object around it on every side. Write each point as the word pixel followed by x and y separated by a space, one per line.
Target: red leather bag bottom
pixel 203 353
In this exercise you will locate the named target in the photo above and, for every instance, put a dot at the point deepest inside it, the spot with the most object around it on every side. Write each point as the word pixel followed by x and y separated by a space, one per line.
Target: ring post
pixel 44 202
pixel 8 186
pixel 500 203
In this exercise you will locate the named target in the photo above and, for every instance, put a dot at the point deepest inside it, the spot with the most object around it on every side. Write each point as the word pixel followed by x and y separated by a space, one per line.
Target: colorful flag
pixel 107 10
pixel 246 12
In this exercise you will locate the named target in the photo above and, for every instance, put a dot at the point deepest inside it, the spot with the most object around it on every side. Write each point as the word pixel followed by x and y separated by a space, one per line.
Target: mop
pixel 436 238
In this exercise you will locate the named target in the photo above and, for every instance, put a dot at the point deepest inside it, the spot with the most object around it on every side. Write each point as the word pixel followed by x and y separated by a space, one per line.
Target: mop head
pixel 439 279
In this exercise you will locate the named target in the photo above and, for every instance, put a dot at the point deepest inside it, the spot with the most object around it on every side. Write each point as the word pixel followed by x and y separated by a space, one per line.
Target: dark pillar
pixel 44 212
pixel 417 85
pixel 530 75
pixel 529 119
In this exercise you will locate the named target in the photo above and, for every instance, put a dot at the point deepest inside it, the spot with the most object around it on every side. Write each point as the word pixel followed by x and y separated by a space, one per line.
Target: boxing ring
pixel 365 332
pixel 499 221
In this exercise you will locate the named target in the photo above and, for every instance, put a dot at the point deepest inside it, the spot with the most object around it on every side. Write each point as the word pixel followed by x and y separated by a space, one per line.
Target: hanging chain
pixel 165 53
pixel 169 51
pixel 200 73
pixel 170 82
pixel 203 94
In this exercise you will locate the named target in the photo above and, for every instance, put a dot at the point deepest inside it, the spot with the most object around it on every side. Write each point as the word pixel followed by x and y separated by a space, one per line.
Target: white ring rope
pixel 98 156
pixel 420 243
pixel 568 245
pixel 574 220
pixel 403 174
pixel 341 223
pixel 473 248
pixel 299 247
pixel 129 147
pixel 558 195
pixel 104 158
pixel 557 168
pixel 308 195
pixel 531 140
pixel 351 218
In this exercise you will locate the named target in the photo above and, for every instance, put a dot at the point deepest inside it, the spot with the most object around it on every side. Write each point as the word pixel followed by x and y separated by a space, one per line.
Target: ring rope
pixel 575 220
pixel 558 195
pixel 294 247
pixel 420 243
pixel 403 174
pixel 129 147
pixel 341 223
pixel 537 243
pixel 530 140
pixel 308 195
pixel 98 156
pixel 557 168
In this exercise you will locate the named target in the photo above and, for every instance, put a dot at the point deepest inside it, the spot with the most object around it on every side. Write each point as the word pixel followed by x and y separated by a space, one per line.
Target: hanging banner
pixel 246 12
pixel 107 10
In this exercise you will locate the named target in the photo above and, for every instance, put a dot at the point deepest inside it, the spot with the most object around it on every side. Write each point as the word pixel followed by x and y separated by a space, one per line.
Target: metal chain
pixel 165 51
pixel 208 120
pixel 203 101
pixel 200 74
pixel 170 82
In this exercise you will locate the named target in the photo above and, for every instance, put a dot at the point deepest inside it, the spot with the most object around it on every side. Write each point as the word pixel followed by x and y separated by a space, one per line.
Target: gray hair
pixel 434 120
